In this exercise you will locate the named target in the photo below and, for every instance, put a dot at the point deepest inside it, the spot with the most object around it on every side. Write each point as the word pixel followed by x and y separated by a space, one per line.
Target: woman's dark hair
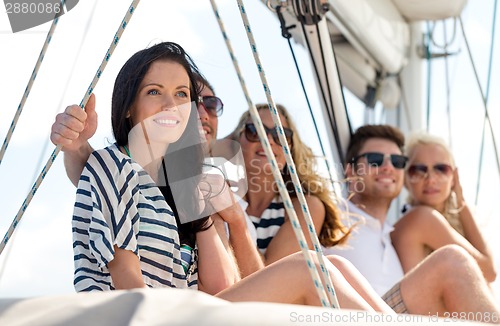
pixel 191 155
pixel 203 82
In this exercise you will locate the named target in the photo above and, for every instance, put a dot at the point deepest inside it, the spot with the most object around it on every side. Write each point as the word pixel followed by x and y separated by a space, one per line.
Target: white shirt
pixel 370 250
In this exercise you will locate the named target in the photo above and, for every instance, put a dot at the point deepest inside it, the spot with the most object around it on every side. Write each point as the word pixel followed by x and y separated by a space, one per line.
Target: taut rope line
pixel 325 300
pixel 30 83
pixel 84 101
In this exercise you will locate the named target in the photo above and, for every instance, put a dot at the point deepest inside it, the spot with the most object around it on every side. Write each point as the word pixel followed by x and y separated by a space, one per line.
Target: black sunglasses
pixel 252 136
pixel 377 159
pixel 418 172
pixel 212 104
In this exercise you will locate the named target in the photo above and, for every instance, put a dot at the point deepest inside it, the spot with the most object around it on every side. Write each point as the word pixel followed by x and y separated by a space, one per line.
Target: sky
pixel 38 261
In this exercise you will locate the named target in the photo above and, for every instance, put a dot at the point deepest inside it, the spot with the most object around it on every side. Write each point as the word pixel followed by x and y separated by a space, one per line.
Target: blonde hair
pixel 451 209
pixel 333 231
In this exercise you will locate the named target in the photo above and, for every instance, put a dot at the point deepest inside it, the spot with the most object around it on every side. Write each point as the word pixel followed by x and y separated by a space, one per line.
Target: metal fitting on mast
pixel 310 12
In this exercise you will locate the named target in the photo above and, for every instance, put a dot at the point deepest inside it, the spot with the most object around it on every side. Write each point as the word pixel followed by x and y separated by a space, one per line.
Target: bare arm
pixel 285 242
pixel 425 227
pixel 245 250
pixel 222 231
pixel 215 268
pixel 240 244
pixel 72 129
pixel 471 230
pixel 74 162
pixel 125 270
pixel 475 238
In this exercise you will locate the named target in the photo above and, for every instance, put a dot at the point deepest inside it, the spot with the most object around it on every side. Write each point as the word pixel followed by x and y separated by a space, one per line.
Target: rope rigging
pixel 447 80
pixel 31 81
pixel 47 141
pixel 431 39
pixel 483 96
pixel 486 97
pixel 324 298
pixel 20 108
pixel 114 43
pixel 82 42
pixel 429 72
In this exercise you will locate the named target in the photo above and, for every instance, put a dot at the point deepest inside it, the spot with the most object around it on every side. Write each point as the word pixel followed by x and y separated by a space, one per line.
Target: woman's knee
pixel 334 264
pixel 340 262
pixel 453 259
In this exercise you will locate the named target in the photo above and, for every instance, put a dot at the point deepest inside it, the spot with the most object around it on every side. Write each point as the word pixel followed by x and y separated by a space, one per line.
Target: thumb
pixel 90 106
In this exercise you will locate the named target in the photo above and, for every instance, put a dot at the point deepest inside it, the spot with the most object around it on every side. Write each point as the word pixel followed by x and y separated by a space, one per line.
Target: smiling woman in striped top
pixel 127 229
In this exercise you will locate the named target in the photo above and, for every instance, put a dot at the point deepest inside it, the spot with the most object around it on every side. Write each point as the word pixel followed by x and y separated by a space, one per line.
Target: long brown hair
pixel 333 231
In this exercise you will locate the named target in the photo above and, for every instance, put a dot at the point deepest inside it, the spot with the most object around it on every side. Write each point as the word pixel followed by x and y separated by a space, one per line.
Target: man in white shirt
pixel 448 280
pixel 379 262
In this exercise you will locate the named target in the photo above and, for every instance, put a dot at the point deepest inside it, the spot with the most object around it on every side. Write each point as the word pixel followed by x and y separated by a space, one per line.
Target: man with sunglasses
pixel 210 108
pixel 447 281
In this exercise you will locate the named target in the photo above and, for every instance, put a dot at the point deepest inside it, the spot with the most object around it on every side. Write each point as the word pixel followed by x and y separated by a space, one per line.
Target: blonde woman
pixel 438 214
pixel 275 238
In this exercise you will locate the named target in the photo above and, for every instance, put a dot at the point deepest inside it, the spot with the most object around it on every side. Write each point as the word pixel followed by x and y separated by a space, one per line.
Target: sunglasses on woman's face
pixel 212 104
pixel 252 136
pixel 419 172
pixel 377 159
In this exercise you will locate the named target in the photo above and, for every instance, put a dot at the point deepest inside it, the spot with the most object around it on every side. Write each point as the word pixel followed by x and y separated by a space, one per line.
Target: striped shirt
pixel 117 203
pixel 269 223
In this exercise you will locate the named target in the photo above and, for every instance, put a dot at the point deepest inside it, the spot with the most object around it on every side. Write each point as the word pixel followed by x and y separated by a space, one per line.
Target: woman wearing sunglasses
pixel 275 235
pixel 437 214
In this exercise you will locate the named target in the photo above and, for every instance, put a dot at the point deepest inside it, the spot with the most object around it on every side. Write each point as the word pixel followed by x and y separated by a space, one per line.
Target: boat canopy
pixel 372 41
pixel 418 10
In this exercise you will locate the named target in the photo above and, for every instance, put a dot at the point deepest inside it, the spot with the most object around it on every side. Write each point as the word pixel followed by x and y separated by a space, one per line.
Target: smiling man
pixel 448 280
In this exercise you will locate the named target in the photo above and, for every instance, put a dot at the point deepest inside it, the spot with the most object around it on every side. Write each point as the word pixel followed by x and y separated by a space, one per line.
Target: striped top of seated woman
pixel 275 235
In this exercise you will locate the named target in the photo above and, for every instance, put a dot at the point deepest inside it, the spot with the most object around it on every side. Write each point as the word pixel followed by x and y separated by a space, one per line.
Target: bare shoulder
pixel 315 205
pixel 421 215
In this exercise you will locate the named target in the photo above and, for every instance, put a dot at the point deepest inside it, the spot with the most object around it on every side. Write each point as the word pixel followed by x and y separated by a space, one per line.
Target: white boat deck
pixel 183 307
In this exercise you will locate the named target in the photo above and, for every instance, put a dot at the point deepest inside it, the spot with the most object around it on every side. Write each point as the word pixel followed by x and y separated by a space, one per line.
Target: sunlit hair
pixel 424 138
pixel 451 207
pixel 333 231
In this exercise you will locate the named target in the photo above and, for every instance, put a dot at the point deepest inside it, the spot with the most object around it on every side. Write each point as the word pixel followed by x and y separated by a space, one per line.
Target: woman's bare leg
pixel 359 283
pixel 288 281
